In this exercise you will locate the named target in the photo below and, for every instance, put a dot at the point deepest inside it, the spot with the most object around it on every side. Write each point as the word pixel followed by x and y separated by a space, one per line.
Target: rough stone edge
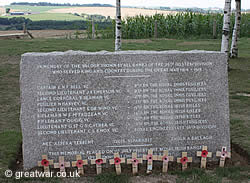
pixel 130 52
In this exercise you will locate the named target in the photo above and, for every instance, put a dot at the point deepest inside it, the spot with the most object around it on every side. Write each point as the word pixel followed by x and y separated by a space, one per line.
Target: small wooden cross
pixel 79 164
pixel 165 159
pixel 223 155
pixel 134 161
pixel 117 161
pixel 45 163
pixel 150 157
pixel 62 164
pixel 204 154
pixel 98 162
pixel 184 160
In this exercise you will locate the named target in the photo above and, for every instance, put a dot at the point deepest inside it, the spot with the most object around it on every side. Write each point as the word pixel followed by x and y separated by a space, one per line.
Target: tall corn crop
pixel 180 25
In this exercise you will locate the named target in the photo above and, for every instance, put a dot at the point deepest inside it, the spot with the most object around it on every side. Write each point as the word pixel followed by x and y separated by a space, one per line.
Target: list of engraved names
pixel 84 110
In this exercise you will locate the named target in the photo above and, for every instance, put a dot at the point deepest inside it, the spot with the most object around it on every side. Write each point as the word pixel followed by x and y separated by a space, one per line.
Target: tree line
pixel 59 4
pixel 16 23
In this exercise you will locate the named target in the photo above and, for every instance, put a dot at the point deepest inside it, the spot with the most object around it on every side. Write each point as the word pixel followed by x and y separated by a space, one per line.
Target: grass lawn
pixel 239 82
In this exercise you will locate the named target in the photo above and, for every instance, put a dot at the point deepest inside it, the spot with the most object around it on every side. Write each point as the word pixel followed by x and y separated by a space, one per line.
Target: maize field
pixel 180 25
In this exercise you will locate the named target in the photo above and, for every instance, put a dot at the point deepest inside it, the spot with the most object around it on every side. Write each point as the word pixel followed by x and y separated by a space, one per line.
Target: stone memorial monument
pixel 82 103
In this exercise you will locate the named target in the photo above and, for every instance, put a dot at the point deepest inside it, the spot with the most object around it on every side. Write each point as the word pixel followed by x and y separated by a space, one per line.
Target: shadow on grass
pixel 234 173
pixel 196 175
pixel 112 178
pixel 9 143
pixel 4 179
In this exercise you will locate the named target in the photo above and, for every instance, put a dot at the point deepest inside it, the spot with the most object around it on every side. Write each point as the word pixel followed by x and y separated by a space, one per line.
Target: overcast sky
pixel 146 3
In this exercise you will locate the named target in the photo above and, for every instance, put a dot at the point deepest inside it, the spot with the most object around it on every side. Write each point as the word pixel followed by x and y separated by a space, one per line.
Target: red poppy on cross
pixel 98 162
pixel 150 157
pixel 134 161
pixel 165 158
pixel 117 162
pixel 204 154
pixel 45 163
pixel 79 163
pixel 184 160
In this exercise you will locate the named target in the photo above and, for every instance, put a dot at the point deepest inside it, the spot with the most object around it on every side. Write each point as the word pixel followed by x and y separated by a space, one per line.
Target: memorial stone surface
pixel 131 101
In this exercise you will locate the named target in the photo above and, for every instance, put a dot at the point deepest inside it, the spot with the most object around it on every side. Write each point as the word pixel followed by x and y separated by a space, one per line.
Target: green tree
pixel 7 10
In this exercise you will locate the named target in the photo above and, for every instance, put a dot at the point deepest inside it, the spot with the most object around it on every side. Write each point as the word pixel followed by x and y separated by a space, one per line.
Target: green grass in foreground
pixel 9 146
pixel 17 47
pixel 111 178
pixel 219 175
pixel 239 82
pixel 196 175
